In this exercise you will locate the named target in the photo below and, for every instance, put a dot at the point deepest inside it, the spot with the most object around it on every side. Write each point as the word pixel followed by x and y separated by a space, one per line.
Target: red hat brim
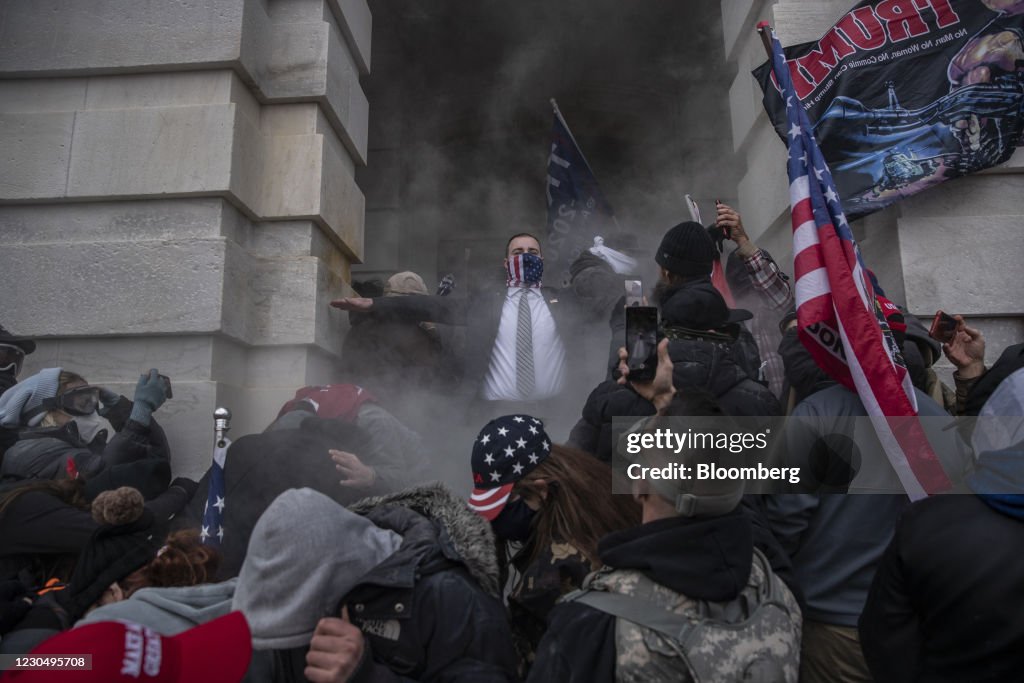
pixel 488 503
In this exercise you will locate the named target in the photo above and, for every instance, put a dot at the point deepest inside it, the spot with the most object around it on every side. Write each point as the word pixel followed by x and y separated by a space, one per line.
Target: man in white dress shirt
pixel 517 337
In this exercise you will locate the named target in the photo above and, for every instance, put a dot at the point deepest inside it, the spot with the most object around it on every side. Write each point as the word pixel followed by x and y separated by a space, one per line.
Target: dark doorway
pixel 460 120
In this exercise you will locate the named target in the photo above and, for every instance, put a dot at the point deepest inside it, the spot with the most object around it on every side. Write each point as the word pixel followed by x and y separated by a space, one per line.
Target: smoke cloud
pixel 460 127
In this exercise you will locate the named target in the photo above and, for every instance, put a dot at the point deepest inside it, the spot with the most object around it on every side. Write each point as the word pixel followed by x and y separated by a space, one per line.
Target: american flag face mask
pixel 524 270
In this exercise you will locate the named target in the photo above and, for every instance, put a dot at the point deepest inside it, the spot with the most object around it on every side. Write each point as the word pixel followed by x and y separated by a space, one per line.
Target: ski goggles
pixel 77 401
pixel 11 357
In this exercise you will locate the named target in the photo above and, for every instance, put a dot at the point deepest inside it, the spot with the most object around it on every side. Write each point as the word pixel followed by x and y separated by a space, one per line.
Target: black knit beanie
pixel 686 250
pixel 124 542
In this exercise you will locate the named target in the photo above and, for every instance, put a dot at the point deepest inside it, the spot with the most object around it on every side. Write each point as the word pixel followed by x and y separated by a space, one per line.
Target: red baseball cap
pixel 893 314
pixel 218 650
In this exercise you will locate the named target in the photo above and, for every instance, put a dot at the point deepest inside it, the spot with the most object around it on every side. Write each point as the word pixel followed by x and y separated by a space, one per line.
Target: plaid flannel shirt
pixel 769 280
pixel 775 294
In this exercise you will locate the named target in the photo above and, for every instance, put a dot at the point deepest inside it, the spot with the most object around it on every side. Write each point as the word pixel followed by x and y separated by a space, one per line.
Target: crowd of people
pixel 339 556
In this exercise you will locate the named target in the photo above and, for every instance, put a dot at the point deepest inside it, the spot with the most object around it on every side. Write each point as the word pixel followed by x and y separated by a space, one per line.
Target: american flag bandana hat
pixel 505 451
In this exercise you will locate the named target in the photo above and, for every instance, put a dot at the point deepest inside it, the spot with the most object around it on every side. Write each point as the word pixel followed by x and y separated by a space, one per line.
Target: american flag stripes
pixel 506 450
pixel 839 318
pixel 525 270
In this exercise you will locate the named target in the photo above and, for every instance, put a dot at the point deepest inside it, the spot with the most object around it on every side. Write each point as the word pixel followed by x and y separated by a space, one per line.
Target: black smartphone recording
pixel 167 385
pixel 642 342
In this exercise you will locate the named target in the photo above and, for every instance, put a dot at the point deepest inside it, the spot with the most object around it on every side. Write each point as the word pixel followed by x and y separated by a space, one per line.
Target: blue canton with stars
pixel 507 449
pixel 212 530
pixel 525 270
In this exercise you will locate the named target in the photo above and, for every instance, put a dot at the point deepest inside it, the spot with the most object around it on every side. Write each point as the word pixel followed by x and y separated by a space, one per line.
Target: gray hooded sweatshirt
pixel 305 554
pixel 169 611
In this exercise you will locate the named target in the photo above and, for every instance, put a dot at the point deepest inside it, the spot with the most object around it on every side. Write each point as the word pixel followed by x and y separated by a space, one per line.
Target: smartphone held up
pixel 642 342
pixel 943 329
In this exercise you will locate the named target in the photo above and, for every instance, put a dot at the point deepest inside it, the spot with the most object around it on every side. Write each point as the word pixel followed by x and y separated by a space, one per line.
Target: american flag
pixel 838 316
pixel 524 270
pixel 212 531
pixel 506 450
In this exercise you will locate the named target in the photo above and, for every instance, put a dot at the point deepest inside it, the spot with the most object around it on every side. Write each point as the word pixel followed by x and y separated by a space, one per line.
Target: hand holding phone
pixel 943 328
pixel 965 348
pixel 659 391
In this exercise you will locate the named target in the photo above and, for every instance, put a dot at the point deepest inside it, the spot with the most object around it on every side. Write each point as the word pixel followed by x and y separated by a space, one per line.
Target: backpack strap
pixel 640 612
pixel 676 627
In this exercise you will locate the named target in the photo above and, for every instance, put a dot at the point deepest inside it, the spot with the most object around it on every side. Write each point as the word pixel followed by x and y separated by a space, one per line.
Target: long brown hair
pixel 67 378
pixel 64 380
pixel 182 561
pixel 580 507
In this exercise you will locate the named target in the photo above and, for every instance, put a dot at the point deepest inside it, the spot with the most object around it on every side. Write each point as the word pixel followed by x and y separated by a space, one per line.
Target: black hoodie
pixel 698 363
pixel 710 365
pixel 705 559
pixel 945 603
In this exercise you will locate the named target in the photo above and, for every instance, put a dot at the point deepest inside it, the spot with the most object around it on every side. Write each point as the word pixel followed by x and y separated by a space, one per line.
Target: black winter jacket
pixel 40 539
pixel 708 363
pixel 711 364
pixel 260 467
pixel 945 604
pixel 137 456
pixel 431 611
pixel 593 432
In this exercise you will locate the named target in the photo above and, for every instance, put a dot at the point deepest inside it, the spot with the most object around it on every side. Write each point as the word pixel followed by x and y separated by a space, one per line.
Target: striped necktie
pixel 525 378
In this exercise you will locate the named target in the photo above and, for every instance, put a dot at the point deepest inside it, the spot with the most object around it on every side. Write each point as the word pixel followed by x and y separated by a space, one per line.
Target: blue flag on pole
pixel 212 532
pixel 577 210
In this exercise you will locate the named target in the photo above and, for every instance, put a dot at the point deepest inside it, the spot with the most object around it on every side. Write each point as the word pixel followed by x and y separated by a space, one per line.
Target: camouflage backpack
pixel 662 635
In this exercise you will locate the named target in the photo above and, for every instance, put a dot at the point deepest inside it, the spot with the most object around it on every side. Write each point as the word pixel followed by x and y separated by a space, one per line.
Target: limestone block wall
pixel 177 190
pixel 953 247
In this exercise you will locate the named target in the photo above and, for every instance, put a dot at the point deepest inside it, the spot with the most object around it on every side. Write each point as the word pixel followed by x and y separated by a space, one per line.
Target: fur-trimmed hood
pixel 464 536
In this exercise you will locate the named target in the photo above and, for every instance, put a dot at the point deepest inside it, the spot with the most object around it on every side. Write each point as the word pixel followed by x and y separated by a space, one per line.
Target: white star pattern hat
pixel 505 451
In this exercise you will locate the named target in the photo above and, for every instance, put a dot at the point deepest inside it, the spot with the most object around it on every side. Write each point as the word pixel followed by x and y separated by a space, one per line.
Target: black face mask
pixel 515 522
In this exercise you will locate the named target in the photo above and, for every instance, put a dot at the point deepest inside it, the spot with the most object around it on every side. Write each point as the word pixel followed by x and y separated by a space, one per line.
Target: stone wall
pixel 177 190
pixel 956 247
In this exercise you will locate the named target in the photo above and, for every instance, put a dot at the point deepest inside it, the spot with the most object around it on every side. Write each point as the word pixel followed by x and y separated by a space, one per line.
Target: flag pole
pixel 765 30
pixel 558 113
pixel 221 425
pixel 212 525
